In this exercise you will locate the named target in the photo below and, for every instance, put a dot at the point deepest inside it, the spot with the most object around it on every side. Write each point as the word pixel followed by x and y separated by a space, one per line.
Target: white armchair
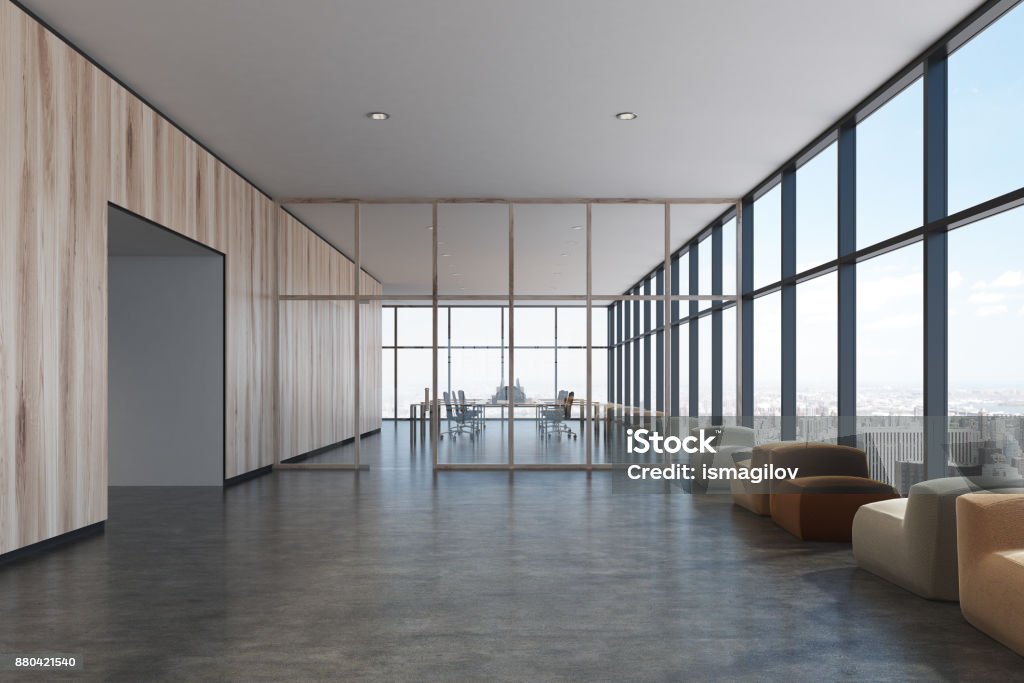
pixel 734 440
pixel 912 541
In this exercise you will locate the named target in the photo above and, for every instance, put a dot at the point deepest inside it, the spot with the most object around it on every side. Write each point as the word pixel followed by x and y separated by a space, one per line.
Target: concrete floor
pixel 398 574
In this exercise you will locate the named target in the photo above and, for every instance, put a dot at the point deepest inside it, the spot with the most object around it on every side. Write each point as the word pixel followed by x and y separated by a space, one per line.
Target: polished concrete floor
pixel 487 444
pixel 400 574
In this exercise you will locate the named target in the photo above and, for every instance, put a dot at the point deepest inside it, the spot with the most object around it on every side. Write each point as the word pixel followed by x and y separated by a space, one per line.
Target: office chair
pixel 556 418
pixel 456 420
pixel 475 415
pixel 543 421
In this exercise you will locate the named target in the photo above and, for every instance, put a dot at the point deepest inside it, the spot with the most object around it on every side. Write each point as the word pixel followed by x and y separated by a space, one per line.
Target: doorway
pixel 165 356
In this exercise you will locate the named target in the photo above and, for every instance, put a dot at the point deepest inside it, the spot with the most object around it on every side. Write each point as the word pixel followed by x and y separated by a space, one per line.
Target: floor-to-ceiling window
pixel 985 276
pixel 474 354
pixel 816 361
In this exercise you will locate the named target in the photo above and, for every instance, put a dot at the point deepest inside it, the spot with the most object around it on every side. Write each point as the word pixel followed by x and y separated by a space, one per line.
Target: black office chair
pixel 457 420
pixel 474 415
pixel 556 418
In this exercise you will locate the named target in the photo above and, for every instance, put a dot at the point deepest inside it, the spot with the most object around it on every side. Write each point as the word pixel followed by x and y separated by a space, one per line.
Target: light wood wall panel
pixel 371 379
pixel 72 140
pixel 316 346
pixel 53 290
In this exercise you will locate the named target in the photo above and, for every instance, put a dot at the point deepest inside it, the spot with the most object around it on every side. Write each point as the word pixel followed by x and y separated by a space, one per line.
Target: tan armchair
pixel 990 552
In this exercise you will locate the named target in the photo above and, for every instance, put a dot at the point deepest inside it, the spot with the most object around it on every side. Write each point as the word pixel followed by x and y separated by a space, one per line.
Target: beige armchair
pixel 990 539
pixel 912 541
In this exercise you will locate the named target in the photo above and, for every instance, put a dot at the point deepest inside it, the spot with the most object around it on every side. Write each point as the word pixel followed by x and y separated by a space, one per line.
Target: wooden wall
pixel 71 140
pixel 317 357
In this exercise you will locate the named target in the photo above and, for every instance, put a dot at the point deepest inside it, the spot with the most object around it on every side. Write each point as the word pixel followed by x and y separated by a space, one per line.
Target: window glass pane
pixel 640 317
pixel 657 379
pixel 478 372
pixel 889 363
pixel 638 374
pixel 627 320
pixel 704 265
pixel 535 371
pixel 986 317
pixel 889 333
pixel 551 249
pixel 534 326
pixel 572 372
pixel 817 342
pixel 729 257
pixel 625 375
pixel 681 265
pixel 627 240
pixel 388 385
pixel 768 238
pixel 387 318
pixel 729 362
pixel 817 206
pixel 474 255
pixel 599 375
pixel 704 374
pixel 682 369
pixel 599 325
pixel 767 355
pixel 572 327
pixel 477 326
pixel 986 107
pixel 416 327
pixel 415 373
pixel 890 172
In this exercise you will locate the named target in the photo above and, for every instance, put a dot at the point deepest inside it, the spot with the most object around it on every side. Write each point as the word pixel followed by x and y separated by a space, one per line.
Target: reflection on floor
pixel 489 445
pixel 405 575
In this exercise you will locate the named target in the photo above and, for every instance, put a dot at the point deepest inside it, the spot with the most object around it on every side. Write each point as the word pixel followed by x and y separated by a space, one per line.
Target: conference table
pixel 420 412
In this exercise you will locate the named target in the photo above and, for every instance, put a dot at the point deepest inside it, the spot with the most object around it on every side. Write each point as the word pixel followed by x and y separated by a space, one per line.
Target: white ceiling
pixel 504 98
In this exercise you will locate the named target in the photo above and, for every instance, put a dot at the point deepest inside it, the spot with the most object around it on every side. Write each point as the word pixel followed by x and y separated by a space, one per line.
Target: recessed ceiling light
pixel 430 227
pixel 378 115
pixel 625 115
pixel 445 254
pixel 577 227
pixel 564 253
pixel 456 274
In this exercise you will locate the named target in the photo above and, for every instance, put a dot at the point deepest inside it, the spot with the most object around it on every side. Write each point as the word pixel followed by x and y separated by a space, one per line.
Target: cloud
pixel 1011 278
pixel 986 298
pixel 988 311
pixel 886 293
pixel 955 279
pixel 894 323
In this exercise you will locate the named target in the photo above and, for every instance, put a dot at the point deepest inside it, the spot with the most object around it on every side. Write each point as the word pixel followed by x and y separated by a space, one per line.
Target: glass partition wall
pixel 523 367
pixel 497 351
